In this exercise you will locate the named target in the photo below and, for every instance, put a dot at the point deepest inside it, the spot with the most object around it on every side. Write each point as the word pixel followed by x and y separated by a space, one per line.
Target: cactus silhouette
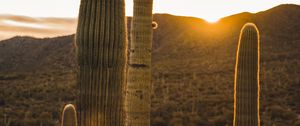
pixel 101 52
pixel 139 69
pixel 69 117
pixel 246 87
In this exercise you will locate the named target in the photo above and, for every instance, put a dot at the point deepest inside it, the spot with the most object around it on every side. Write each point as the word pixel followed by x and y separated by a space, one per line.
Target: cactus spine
pixel 101 52
pixel 69 117
pixel 246 86
pixel 139 69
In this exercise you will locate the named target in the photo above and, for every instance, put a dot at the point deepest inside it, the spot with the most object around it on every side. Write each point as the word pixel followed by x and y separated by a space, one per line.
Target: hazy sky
pixel 210 10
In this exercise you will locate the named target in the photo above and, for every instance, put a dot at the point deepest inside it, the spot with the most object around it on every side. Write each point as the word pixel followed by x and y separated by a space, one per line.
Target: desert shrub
pixel 16 122
pixel 219 121
pixel 278 112
pixel 196 120
pixel 56 114
pixel 158 121
pixel 2 101
pixel 297 123
pixel 30 122
pixel 175 121
pixel 45 118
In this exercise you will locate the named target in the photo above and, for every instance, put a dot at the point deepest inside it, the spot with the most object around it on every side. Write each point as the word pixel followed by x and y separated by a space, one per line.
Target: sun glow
pixel 212 19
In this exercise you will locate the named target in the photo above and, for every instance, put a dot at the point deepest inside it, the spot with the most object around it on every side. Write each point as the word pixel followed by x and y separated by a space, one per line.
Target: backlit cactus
pixel 69 117
pixel 101 52
pixel 246 87
pixel 139 69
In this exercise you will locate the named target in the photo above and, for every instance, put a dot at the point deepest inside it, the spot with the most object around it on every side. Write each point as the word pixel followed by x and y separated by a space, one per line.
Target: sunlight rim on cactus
pixel 68 111
pixel 247 28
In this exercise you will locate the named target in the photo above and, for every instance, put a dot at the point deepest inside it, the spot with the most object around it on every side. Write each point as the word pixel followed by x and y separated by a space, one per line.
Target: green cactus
pixel 139 69
pixel 101 52
pixel 69 117
pixel 246 86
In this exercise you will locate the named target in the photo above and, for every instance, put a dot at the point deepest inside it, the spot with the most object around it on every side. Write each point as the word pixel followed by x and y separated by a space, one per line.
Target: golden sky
pixel 210 10
pixel 35 17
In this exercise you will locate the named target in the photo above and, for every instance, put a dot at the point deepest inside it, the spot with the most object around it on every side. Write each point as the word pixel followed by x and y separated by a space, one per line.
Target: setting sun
pixel 212 19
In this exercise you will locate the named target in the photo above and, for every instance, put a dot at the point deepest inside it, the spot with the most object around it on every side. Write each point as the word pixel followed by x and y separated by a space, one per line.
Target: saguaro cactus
pixel 139 69
pixel 246 87
pixel 101 50
pixel 69 117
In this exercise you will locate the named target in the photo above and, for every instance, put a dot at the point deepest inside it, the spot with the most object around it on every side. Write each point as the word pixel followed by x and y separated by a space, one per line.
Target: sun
pixel 211 19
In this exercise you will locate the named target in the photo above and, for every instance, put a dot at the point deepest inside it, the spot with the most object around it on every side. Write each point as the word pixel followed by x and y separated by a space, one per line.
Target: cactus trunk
pixel 139 69
pixel 246 92
pixel 101 52
pixel 69 117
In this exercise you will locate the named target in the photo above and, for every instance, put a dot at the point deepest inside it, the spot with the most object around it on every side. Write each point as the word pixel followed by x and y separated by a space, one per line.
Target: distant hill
pixel 193 67
pixel 21 54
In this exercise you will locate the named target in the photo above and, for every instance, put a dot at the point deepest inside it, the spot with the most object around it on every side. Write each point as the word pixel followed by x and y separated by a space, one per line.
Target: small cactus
pixel 69 117
pixel 246 86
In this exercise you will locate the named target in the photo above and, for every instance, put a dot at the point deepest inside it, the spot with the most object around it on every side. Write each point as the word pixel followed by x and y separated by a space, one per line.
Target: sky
pixel 210 10
pixel 35 17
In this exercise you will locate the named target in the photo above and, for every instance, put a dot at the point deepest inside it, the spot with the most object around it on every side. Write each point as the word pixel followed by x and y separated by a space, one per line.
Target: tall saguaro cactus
pixel 139 69
pixel 246 91
pixel 101 50
pixel 69 116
